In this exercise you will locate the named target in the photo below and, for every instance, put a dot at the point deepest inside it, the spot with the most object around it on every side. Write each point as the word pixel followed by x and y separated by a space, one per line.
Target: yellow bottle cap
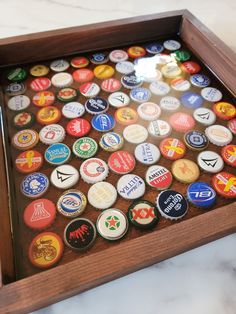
pixel 185 170
pixel 103 71
pixel 39 70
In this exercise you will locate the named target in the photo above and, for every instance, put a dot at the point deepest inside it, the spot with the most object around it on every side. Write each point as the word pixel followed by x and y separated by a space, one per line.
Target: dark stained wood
pixel 210 49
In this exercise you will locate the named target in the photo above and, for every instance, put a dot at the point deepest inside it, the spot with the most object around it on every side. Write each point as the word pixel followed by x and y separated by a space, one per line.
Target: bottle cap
pixel 51 134
pixel 89 89
pixel 131 81
pixel 210 161
pixel 73 110
pixel 229 155
pixel 15 89
pixel 71 203
pixel 218 135
pixel 96 105
pixel 140 94
pixel 191 100
pixel 196 140
pixel 111 85
pixel 23 120
pixel 118 55
pixel 112 224
pixel 103 71
pixel 158 177
pixel 17 75
pixel 126 116
pixel 40 214
pixel 204 116
pixel 159 129
pixel 149 111
pixel 121 162
pixel 147 153
pixel 182 55
pixel 48 115
pixel 94 170
pixel 136 52
pixel 83 75
pixel 159 88
pixel 40 84
pixel 201 194
pixel 80 234
pixel 44 98
pixel 85 147
pixel 118 99
pixel 135 133
pixel 172 148
pixel 143 214
pixel 131 186
pixel 18 103
pixel 180 84
pixel 200 80
pixel 181 122
pixel 211 94
pixel 102 195
pixel 185 170
pixel 172 205
pixel 59 65
pixel 103 122
pixel 171 45
pixel 125 67
pixel 67 94
pixel 224 110
pixel 57 154
pixel 34 185
pixel 169 103
pixel 171 70
pixel 154 48
pixel 79 62
pixel 99 58
pixel 39 70
pixel 29 161
pixel 190 67
pixel 25 139
pixel 111 141
pixel 78 127
pixel 64 177
pixel 232 126
pixel 62 79
pixel 225 184
pixel 45 250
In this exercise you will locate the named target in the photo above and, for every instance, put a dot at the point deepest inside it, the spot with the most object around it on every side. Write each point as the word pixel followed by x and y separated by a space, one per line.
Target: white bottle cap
pixel 147 153
pixel 159 128
pixel 210 161
pixel 94 170
pixel 59 65
pixel 218 135
pixel 64 177
pixel 149 111
pixel 18 103
pixel 204 116
pixel 102 195
pixel 131 186
pixel 73 110
pixel 62 79
pixel 170 103
pixel 51 134
pixel 211 94
pixel 159 88
pixel 135 133
pixel 118 99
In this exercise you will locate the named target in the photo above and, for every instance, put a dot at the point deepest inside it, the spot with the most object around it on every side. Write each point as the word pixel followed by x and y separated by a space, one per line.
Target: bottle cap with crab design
pixel 143 214
pixel 71 203
pixel 85 147
pixel 102 195
pixel 225 184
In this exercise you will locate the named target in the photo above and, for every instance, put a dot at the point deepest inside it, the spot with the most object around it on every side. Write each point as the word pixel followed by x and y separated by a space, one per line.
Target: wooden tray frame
pixel 60 282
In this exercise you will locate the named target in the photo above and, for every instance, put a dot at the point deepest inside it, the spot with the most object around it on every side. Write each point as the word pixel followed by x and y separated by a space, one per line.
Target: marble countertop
pixel 201 281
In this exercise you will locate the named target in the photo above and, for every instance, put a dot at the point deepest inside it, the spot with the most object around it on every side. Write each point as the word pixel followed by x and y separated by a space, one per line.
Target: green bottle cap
pixel 17 75
pixel 182 55
pixel 85 147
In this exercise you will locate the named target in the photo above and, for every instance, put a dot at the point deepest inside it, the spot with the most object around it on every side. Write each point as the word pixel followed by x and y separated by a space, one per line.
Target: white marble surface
pixel 202 281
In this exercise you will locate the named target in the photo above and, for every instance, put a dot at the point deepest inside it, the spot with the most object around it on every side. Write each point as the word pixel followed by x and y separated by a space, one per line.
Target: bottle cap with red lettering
pixel 143 214
pixel 78 127
pixel 225 184
pixel 40 84
pixel 190 67
pixel 172 148
pixel 118 55
pixel 83 75
pixel 181 122
pixel 29 161
pixel 89 89
pixel 232 126
pixel 44 98
pixel 158 177
pixel 94 170
pixel 111 85
pixel 229 154
pixel 40 214
pixel 121 162
pixel 51 134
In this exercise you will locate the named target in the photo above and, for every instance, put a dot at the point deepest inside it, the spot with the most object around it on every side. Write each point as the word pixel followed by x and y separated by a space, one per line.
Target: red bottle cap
pixel 159 177
pixel 48 115
pixel 78 127
pixel 29 161
pixel 111 85
pixel 190 67
pixel 228 153
pixel 83 75
pixel 79 62
pixel 225 184
pixel 44 98
pixel 136 52
pixel 224 110
pixel 232 125
pixel 40 84
pixel 40 214
pixel 121 162
pixel 172 148
pixel 182 122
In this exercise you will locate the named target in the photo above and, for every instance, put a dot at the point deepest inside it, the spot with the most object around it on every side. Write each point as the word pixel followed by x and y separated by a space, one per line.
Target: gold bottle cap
pixel 185 170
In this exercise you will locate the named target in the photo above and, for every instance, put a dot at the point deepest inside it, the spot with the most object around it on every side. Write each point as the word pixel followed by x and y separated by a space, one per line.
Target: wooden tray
pixel 24 288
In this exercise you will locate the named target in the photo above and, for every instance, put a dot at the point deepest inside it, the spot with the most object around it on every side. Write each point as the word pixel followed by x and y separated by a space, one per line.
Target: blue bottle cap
pixel 196 140
pixel 191 100
pixel 140 94
pixel 103 122
pixel 99 58
pixel 34 185
pixel 131 81
pixel 96 105
pixel 154 48
pixel 201 194
pixel 57 154
pixel 200 80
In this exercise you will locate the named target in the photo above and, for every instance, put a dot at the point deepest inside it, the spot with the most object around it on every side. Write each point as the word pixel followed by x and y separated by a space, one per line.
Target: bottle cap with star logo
pixel 64 177
pixel 25 139
pixel 143 214
pixel 112 224
pixel 185 170
pixel 85 147
pixel 229 154
pixel 210 161
pixel 80 234
pixel 225 184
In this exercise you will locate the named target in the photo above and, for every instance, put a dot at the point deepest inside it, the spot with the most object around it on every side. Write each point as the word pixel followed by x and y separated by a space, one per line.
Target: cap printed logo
pixel 63 176
pixel 79 233
pixel 39 212
pixel 210 162
pixel 185 169
pixel 112 223
pixel 143 213
pixel 230 184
